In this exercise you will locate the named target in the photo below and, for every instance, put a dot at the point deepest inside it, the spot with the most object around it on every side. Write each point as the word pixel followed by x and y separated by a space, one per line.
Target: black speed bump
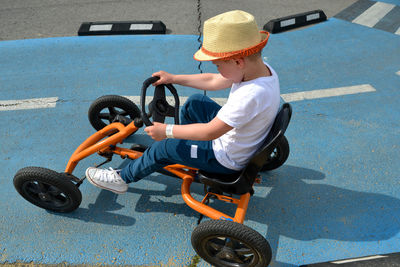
pixel 124 27
pixel 295 21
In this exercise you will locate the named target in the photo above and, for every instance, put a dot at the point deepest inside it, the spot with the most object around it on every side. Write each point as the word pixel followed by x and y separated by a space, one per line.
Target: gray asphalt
pixel 21 19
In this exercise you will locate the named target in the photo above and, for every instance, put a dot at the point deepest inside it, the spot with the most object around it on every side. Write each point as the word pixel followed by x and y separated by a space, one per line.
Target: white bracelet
pixel 168 131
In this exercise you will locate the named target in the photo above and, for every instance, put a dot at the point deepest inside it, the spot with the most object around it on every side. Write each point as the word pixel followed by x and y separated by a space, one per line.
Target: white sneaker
pixel 106 179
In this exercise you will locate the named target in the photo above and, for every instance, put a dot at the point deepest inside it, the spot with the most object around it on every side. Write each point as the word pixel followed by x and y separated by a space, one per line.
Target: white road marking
pixel 374 14
pixel 50 102
pixel 170 99
pixel 359 259
pixel 33 103
pixel 398 31
pixel 291 97
pixel 349 90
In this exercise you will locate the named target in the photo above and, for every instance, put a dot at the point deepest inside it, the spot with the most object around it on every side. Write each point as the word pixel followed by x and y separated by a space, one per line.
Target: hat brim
pixel 204 55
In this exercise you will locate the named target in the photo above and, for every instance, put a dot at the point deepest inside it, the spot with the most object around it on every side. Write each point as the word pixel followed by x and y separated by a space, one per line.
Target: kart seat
pixel 242 182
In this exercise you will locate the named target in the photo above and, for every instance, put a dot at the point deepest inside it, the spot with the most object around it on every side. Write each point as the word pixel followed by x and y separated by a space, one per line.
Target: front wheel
pixel 230 244
pixel 105 109
pixel 47 189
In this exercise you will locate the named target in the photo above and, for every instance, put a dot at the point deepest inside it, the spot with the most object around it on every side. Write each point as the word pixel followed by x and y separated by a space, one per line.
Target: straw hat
pixel 231 35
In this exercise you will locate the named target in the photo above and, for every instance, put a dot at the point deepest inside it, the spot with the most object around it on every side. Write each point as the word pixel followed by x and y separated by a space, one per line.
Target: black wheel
pixel 104 109
pixel 278 156
pixel 47 189
pixel 230 244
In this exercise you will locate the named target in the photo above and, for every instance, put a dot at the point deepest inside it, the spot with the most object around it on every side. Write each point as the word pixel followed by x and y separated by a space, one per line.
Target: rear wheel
pixel 230 244
pixel 104 109
pixel 278 156
pixel 47 189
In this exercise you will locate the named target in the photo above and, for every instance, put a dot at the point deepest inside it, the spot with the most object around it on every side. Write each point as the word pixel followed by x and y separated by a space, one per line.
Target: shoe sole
pixel 102 187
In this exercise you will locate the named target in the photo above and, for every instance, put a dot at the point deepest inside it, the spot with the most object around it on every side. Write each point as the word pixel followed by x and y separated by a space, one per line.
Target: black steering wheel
pixel 159 107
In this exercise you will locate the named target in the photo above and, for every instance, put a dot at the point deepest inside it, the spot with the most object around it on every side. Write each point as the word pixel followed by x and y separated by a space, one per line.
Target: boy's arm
pixel 197 131
pixel 203 81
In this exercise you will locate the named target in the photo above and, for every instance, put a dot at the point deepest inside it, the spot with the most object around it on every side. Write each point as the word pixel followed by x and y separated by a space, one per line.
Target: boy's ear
pixel 239 62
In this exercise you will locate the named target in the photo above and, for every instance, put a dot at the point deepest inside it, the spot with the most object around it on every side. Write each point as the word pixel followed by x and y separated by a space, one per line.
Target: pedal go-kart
pixel 221 241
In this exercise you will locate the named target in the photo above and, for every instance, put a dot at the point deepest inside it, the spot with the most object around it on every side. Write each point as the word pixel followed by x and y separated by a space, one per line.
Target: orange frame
pixel 96 144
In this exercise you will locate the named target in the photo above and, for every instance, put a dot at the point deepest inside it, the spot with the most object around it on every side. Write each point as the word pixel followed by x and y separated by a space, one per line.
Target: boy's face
pixel 230 69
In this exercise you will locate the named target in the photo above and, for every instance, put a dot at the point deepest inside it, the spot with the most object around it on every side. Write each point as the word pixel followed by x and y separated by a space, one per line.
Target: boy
pixel 212 138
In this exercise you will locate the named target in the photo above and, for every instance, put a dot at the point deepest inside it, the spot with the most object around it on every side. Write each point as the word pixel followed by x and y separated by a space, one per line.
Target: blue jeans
pixel 197 154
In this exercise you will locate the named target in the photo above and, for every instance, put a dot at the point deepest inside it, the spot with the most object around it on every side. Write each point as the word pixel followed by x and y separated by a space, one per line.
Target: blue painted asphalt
pixel 338 195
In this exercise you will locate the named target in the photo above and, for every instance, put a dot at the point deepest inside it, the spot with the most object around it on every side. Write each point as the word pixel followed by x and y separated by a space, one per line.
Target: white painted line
pixel 33 103
pixel 398 31
pixel 359 259
pixel 374 14
pixel 104 27
pixel 291 97
pixel 349 90
pixel 288 22
pixel 312 16
pixel 141 27
pixel 170 99
pixel 50 102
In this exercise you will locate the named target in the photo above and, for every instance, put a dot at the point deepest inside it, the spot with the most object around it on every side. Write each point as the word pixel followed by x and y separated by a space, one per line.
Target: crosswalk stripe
pixel 373 14
pixel 354 10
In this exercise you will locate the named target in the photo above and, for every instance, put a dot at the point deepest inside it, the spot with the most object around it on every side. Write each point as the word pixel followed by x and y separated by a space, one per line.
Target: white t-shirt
pixel 251 110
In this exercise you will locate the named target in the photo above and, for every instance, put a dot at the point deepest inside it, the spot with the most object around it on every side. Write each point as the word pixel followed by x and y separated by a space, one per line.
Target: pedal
pixel 107 153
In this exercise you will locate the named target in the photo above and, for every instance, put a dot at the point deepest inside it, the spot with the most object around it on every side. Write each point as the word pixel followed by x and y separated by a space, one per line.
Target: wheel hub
pixel 227 254
pixel 44 196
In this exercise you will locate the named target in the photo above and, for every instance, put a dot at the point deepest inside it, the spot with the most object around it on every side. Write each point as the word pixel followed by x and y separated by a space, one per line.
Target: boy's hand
pixel 165 77
pixel 157 131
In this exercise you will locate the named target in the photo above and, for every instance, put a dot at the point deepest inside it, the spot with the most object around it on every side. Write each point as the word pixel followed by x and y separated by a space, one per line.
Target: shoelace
pixel 108 176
